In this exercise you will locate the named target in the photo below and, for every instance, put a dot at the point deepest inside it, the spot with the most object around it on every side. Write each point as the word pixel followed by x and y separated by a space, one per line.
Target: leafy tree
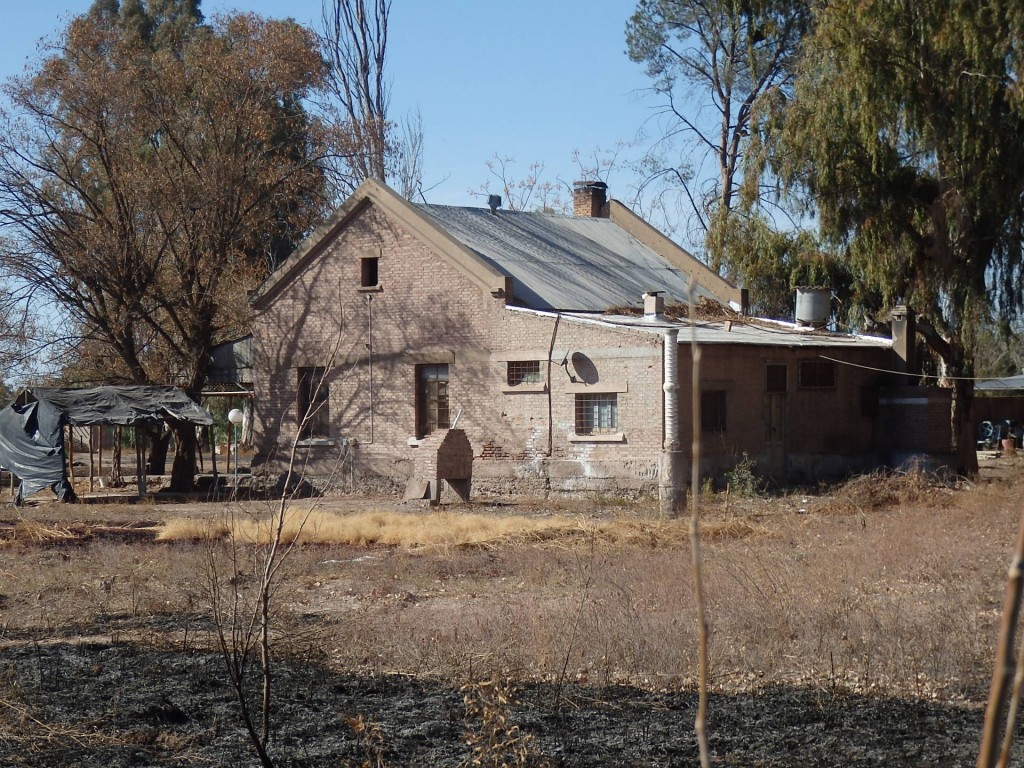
pixel 151 170
pixel 908 131
pixel 723 68
pixel 773 263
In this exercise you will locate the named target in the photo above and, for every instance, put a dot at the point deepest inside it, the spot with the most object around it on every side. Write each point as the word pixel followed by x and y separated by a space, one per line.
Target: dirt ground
pixel 850 626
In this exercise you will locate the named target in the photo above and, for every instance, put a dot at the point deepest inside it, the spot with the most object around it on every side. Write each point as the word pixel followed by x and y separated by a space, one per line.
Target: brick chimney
pixel 589 199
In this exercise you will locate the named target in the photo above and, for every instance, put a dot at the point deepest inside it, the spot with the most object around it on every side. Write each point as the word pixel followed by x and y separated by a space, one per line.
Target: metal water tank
pixel 813 306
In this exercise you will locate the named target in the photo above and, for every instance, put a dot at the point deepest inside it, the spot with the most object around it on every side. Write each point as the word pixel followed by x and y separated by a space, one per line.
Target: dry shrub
pixel 38 533
pixel 372 741
pixel 887 488
pixel 494 740
pixel 192 529
pixel 304 526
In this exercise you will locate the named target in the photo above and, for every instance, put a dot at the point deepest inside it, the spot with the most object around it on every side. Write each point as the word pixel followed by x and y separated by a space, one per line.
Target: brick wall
pixel 828 431
pixel 427 312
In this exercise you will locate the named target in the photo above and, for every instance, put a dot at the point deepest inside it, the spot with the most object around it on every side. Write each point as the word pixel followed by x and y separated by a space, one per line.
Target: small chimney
pixel 904 326
pixel 589 199
pixel 494 203
pixel 654 305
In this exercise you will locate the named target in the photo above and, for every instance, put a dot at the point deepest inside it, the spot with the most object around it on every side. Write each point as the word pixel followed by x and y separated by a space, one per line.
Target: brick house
pixel 396 325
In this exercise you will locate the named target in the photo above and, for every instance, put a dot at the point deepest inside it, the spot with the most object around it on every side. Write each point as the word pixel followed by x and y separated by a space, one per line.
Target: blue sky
pixel 530 79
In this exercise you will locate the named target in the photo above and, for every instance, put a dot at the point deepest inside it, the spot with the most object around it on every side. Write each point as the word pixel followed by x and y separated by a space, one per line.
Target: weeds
pixel 494 740
pixel 372 742
pixel 742 480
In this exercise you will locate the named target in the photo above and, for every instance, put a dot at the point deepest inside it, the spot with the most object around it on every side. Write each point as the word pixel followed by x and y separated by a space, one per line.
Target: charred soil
pixel 850 626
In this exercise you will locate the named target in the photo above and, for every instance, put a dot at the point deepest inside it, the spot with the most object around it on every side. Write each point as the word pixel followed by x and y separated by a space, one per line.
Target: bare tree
pixel 354 42
pixel 531 192
pixel 721 67
pixel 409 163
pixel 244 580
pixel 536 191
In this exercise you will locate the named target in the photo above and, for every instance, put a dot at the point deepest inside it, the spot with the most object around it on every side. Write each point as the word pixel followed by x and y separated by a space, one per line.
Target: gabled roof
pixel 542 261
pixel 561 262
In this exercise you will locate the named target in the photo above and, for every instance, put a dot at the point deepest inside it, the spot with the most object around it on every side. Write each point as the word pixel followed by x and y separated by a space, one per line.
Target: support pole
pixel 213 457
pixel 92 465
pixel 671 484
pixel 71 456
pixel 139 465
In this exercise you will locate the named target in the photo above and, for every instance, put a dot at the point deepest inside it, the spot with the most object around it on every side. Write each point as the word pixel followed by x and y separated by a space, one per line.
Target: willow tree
pixel 908 131
pixel 152 168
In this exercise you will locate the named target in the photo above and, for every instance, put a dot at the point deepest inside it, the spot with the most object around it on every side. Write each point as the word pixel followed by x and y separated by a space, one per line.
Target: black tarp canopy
pixel 32 435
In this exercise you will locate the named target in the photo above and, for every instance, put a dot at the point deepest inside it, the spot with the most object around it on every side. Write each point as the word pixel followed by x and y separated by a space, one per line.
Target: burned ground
pixel 850 626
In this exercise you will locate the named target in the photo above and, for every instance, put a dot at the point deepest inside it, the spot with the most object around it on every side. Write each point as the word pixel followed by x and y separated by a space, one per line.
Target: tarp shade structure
pixel 32 434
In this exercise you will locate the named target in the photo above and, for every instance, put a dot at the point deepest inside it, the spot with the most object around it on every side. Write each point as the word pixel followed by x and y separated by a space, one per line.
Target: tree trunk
pixel 116 472
pixel 964 445
pixel 183 473
pixel 159 441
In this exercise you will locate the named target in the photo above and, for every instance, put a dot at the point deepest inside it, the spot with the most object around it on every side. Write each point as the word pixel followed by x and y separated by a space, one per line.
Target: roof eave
pixel 679 257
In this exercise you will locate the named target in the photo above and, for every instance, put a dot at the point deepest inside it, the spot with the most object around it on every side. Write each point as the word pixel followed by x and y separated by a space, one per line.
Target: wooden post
pixel 139 466
pixel 213 456
pixel 92 466
pixel 71 456
pixel 100 446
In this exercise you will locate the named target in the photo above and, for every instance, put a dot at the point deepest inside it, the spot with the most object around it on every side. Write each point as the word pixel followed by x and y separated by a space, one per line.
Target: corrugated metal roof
pixel 1006 384
pixel 760 333
pixel 562 262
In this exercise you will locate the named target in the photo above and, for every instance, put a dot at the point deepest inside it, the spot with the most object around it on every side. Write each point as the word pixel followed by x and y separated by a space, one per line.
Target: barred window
pixel 597 414
pixel 817 374
pixel 523 372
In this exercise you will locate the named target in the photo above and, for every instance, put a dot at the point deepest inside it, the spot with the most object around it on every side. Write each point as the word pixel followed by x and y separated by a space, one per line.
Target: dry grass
pixel 847 589
pixel 888 488
pixel 40 533
pixel 396 529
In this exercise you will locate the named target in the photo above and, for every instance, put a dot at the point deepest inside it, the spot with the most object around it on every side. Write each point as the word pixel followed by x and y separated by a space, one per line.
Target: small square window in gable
pixel 369 272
